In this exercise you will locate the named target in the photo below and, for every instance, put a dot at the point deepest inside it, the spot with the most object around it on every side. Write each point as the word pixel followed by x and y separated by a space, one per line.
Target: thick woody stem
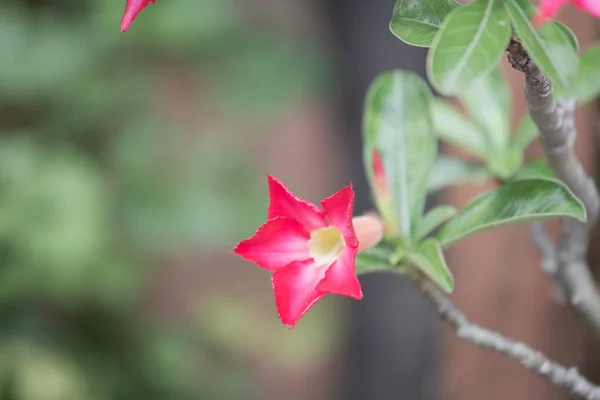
pixel 555 121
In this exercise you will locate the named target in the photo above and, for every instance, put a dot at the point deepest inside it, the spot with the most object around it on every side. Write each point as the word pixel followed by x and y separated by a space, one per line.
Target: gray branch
pixel 558 375
pixel 555 121
pixel 541 240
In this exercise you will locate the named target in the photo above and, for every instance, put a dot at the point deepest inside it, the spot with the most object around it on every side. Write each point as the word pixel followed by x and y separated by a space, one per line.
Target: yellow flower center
pixel 325 245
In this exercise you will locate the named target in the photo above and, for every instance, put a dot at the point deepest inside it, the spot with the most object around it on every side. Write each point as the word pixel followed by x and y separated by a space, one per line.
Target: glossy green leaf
pixel 416 22
pixel 448 171
pixel 487 101
pixel 398 124
pixel 549 46
pixel 587 83
pixel 517 201
pixel 469 45
pixel 526 133
pixel 536 169
pixel 434 218
pixel 430 260
pixel 451 126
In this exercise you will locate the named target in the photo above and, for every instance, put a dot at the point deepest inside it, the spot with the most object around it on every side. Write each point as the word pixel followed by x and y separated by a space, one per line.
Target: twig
pixel 555 121
pixel 541 240
pixel 558 375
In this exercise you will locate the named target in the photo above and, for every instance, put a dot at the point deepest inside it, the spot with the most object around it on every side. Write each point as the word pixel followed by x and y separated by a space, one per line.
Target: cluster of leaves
pixel 466 44
pixel 403 123
pixel 90 194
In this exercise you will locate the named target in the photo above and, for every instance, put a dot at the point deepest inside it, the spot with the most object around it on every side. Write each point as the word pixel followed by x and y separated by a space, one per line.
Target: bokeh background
pixel 131 164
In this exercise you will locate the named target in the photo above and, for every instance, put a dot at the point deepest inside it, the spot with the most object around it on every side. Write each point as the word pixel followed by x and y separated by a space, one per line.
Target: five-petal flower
pixel 132 9
pixel 311 251
pixel 549 8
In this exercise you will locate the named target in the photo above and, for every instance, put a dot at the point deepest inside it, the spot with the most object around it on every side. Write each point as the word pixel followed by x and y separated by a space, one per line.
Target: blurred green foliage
pixel 94 189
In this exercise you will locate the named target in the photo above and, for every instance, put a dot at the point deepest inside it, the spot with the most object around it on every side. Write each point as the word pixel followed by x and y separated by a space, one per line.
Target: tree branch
pixel 541 240
pixel 555 121
pixel 558 375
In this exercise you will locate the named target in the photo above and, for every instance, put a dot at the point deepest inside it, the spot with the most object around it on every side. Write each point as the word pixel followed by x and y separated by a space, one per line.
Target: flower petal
pixel 284 203
pixel 132 9
pixel 295 290
pixel 547 10
pixel 340 277
pixel 591 6
pixel 275 244
pixel 339 208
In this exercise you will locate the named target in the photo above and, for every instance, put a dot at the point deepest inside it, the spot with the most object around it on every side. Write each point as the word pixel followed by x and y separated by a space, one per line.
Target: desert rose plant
pixel 312 251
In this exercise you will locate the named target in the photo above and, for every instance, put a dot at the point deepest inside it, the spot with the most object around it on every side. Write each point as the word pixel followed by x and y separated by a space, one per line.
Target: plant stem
pixel 558 375
pixel 555 121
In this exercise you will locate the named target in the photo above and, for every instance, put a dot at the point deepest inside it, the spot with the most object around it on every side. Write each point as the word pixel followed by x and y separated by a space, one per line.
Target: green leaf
pixel 373 260
pixel 434 218
pixel 430 260
pixel 549 46
pixel 416 22
pixel 451 126
pixel 569 33
pixel 469 45
pixel 448 171
pixel 488 102
pixel 526 133
pixel 536 169
pixel 587 83
pixel 504 164
pixel 517 201
pixel 398 124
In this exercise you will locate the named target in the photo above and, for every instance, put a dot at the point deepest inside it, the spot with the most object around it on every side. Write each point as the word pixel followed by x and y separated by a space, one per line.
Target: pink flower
pixel 311 251
pixel 132 9
pixel 549 8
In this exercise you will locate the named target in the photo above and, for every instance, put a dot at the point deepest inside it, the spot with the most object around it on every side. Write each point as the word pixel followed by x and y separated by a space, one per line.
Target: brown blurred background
pixel 131 164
